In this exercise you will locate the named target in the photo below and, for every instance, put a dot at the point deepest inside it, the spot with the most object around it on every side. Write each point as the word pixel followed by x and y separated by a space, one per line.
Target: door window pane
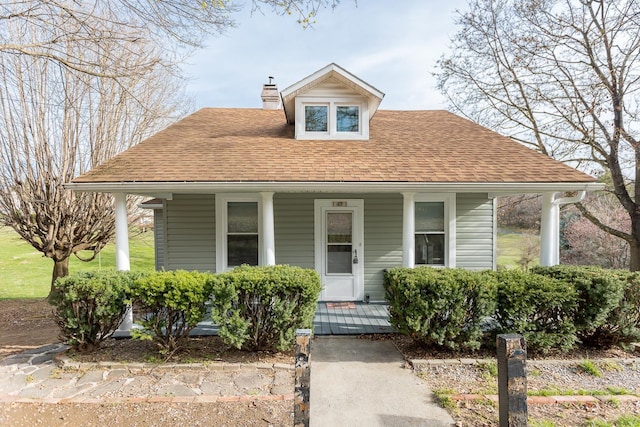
pixel 242 249
pixel 429 216
pixel 316 118
pixel 242 217
pixel 429 249
pixel 339 226
pixel 348 119
pixel 339 259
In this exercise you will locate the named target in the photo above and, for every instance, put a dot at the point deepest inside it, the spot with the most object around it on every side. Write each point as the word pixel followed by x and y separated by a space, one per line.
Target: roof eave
pixel 163 189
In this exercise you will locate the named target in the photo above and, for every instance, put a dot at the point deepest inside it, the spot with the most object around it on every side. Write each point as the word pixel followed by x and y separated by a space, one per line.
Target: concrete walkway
pixel 360 382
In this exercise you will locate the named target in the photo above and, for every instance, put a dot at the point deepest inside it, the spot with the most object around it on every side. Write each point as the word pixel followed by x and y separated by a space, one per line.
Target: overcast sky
pixel 392 47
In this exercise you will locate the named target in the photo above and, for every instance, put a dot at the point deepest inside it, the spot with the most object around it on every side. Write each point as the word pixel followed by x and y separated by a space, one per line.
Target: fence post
pixel 512 380
pixel 303 378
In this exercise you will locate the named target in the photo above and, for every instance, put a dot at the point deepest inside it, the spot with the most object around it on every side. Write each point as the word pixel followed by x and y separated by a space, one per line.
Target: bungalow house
pixel 328 181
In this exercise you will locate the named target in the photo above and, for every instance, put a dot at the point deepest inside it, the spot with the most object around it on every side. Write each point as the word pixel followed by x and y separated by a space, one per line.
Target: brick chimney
pixel 270 96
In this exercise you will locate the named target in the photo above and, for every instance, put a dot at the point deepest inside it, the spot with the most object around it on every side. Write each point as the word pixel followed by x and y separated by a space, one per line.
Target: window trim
pixel 449 200
pixel 222 204
pixel 332 104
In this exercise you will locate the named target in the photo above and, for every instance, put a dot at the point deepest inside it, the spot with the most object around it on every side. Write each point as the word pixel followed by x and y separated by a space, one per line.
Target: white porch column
pixel 122 251
pixel 408 227
pixel 268 229
pixel 549 227
pixel 122 232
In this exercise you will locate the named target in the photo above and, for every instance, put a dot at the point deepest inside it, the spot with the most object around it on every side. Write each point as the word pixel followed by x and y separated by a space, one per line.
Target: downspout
pixel 550 226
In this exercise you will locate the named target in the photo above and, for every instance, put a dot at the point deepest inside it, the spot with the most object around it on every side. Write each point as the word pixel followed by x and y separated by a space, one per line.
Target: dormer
pixel 331 104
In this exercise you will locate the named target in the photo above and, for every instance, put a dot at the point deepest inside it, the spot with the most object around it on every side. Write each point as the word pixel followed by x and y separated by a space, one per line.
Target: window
pixel 429 233
pixel 237 231
pixel 242 233
pixel 340 118
pixel 316 118
pixel 434 229
pixel 347 119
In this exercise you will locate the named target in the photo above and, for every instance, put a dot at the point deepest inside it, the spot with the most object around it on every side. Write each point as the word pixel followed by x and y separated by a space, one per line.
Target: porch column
pixel 408 227
pixel 550 226
pixel 122 251
pixel 268 229
pixel 122 232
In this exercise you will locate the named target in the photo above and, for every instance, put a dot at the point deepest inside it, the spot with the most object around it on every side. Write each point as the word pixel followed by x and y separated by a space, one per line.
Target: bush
pixel 172 303
pixel 539 308
pixel 599 291
pixel 260 308
pixel 90 306
pixel 440 307
pixel 622 326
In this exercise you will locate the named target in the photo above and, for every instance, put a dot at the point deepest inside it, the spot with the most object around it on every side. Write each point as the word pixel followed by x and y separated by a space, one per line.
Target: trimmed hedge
pixel 599 291
pixel 539 308
pixel 260 308
pixel 89 306
pixel 622 326
pixel 440 307
pixel 172 303
pixel 552 307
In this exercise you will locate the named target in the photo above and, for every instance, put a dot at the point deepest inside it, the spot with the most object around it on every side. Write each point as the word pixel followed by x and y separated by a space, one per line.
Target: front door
pixel 339 249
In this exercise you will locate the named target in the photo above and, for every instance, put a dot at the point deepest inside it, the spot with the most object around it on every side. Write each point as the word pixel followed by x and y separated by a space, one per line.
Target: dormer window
pixel 335 119
pixel 331 104
pixel 347 118
pixel 316 118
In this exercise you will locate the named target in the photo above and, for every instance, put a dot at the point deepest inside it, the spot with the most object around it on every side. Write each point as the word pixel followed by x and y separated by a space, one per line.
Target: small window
pixel 429 233
pixel 347 119
pixel 316 118
pixel 242 233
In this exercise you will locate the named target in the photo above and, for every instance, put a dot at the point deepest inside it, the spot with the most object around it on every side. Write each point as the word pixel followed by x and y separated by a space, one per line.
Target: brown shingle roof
pixel 252 145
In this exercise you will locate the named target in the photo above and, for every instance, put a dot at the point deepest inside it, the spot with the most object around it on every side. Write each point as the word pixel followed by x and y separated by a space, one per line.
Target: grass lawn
pixel 510 247
pixel 26 273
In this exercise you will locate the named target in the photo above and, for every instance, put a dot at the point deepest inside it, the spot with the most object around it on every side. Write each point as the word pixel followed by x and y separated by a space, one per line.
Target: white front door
pixel 339 249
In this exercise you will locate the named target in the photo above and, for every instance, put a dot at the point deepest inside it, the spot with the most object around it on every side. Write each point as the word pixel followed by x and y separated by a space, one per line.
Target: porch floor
pixel 332 318
pixel 351 318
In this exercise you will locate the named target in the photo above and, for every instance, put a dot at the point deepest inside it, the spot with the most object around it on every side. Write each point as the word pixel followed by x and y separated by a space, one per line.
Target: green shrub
pixel 599 291
pixel 90 306
pixel 172 303
pixel 622 326
pixel 440 307
pixel 260 308
pixel 539 308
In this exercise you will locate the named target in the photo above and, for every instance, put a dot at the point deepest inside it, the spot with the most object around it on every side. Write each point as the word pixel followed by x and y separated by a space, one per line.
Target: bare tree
pixel 121 23
pixel 587 244
pixel 79 82
pixel 56 123
pixel 562 76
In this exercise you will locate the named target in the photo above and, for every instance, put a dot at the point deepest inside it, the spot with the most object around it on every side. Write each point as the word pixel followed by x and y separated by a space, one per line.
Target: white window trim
pixel 332 132
pixel 449 200
pixel 222 201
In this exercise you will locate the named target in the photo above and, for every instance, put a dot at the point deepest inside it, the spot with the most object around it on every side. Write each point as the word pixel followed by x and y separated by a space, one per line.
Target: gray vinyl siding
pixel 191 232
pixel 294 233
pixel 159 235
pixel 474 232
pixel 382 240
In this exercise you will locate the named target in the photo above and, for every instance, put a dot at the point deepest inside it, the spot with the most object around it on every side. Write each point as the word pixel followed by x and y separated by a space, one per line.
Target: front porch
pixel 332 318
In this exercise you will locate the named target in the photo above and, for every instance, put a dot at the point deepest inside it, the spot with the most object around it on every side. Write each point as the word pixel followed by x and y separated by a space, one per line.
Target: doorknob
pixel 355 256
